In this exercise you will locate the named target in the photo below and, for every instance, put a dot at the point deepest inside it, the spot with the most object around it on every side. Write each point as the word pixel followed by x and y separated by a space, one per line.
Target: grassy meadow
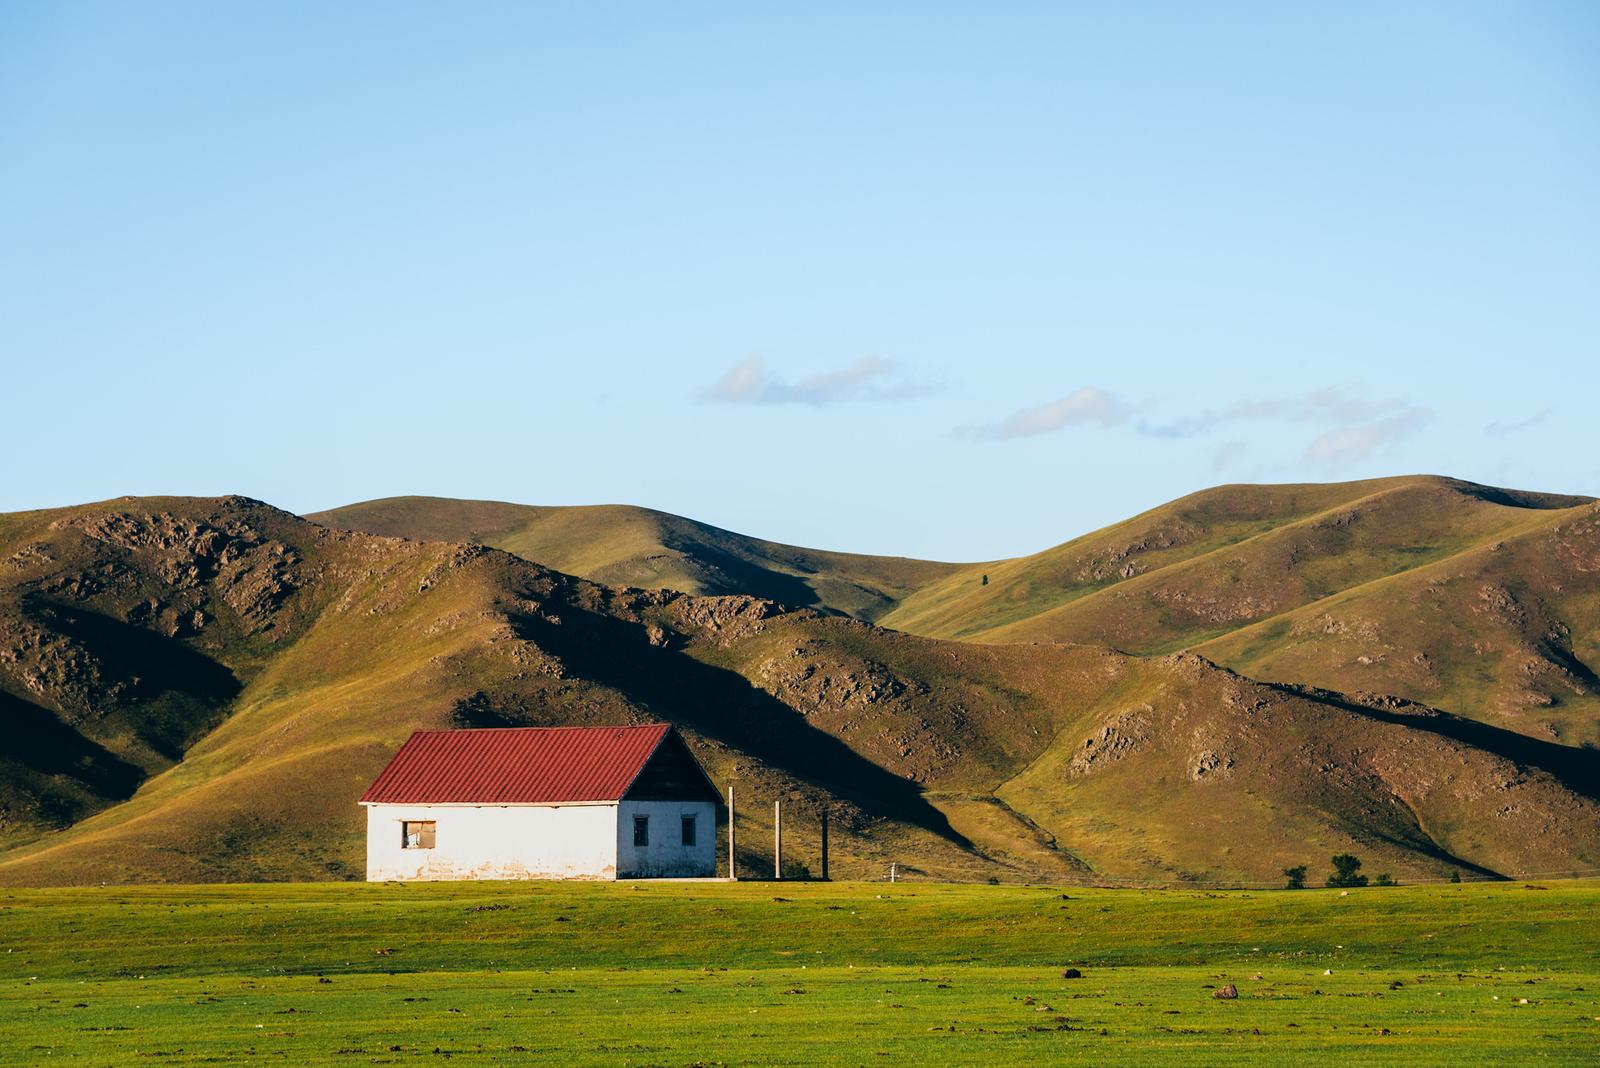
pixel 777 973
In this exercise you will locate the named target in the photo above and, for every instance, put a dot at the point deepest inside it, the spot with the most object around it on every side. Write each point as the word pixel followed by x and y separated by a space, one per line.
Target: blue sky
pixel 957 281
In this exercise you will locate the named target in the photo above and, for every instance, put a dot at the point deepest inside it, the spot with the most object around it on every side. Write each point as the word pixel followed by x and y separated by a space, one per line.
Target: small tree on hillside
pixel 1345 868
pixel 1384 879
pixel 1297 877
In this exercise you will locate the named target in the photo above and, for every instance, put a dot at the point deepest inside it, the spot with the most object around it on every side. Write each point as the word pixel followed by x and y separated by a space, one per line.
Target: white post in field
pixel 733 872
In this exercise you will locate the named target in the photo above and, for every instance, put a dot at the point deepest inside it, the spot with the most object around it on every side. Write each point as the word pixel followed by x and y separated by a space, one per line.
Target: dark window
pixel 417 834
pixel 641 830
pixel 688 830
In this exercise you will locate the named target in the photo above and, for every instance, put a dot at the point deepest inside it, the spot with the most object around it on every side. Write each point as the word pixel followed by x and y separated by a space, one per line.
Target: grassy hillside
pixel 328 648
pixel 1507 632
pixel 820 974
pixel 962 605
pixel 1481 601
pixel 1217 560
pixel 126 632
pixel 628 546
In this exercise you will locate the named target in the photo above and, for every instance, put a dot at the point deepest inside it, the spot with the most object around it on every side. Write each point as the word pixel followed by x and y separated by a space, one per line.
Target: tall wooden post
pixel 777 839
pixel 824 843
pixel 733 871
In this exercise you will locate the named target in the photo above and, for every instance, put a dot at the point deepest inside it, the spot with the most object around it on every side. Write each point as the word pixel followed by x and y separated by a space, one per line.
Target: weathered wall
pixel 509 842
pixel 666 855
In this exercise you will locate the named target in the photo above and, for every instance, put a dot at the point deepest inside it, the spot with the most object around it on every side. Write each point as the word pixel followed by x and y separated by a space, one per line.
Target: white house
pixel 542 803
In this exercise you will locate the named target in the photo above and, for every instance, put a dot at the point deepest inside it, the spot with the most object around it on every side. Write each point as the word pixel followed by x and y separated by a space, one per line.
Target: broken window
pixel 417 834
pixel 641 830
pixel 688 830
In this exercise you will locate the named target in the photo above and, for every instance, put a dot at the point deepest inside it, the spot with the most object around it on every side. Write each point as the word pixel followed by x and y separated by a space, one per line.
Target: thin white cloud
pixel 751 381
pixel 1353 426
pixel 1087 405
pixel 741 384
pixel 1346 445
pixel 1500 428
pixel 1339 404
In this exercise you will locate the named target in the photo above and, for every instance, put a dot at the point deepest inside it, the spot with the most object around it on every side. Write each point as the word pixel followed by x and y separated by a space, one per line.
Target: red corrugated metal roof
pixel 516 765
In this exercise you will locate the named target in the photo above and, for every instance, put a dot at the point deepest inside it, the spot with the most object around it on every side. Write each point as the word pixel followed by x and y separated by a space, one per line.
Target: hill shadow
pixel 743 576
pixel 1531 499
pixel 42 743
pixel 172 695
pixel 722 704
pixel 1575 768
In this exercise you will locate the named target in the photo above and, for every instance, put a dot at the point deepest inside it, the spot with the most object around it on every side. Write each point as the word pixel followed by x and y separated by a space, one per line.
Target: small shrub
pixel 986 580
pixel 794 869
pixel 1297 877
pixel 1455 876
pixel 1384 879
pixel 1345 867
pixel 994 880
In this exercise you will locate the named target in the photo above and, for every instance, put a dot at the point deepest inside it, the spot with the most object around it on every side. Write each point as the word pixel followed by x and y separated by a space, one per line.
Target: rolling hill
pixel 1217 560
pixel 1242 573
pixel 205 686
pixel 628 546
pixel 1477 600
pixel 1507 631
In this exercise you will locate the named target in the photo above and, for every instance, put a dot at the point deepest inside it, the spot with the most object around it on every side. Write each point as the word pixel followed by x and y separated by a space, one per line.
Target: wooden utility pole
pixel 824 843
pixel 733 871
pixel 777 839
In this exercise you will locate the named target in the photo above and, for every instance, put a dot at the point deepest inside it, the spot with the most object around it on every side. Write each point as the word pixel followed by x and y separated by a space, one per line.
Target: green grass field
pixel 708 973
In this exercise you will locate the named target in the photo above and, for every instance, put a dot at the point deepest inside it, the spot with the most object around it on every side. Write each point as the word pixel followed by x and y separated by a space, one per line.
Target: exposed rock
pixel 1210 763
pixel 1112 564
pixel 1119 738
pixel 725 617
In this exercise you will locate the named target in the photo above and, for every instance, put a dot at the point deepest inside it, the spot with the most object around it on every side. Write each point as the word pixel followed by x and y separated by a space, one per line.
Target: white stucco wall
pixel 666 855
pixel 501 842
